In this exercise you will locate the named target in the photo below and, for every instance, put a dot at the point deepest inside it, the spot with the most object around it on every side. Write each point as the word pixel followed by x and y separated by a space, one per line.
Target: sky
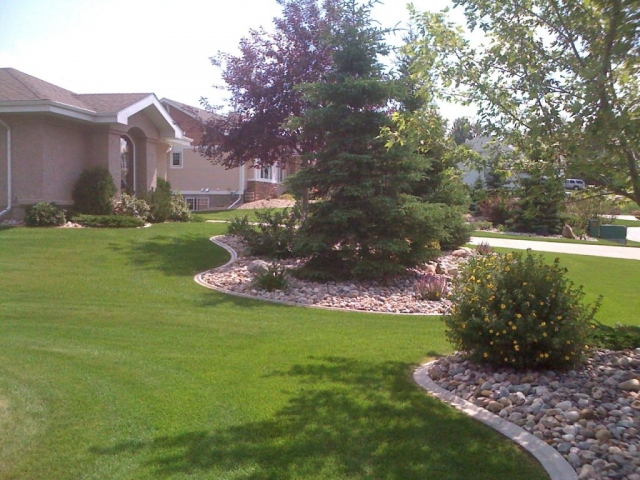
pixel 146 46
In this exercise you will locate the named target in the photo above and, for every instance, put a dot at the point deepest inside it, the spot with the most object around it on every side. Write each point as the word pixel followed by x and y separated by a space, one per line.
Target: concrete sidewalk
pixel 556 247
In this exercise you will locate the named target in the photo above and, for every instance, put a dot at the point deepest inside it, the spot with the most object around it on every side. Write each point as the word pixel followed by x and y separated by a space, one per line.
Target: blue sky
pixel 158 46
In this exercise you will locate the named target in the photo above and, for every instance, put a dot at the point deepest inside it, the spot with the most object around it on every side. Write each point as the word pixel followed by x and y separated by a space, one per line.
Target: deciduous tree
pixel 558 79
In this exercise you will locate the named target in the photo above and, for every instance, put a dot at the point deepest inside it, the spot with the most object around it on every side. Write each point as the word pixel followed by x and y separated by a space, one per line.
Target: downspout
pixel 9 193
pixel 240 188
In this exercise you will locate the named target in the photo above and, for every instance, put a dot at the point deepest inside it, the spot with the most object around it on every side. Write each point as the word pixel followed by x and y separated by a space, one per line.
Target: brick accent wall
pixel 262 190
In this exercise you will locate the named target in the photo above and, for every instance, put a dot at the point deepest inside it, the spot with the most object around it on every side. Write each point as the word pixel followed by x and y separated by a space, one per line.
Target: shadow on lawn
pixel 349 419
pixel 180 255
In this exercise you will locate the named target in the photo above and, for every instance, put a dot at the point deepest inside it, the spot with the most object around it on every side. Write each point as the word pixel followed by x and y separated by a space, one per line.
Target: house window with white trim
pixel 281 174
pixel 176 159
pixel 191 202
pixel 202 203
pixel 266 173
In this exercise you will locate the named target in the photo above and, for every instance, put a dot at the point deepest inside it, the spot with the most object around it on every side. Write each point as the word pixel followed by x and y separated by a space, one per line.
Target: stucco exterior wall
pixel 198 173
pixel 65 155
pixel 27 148
pixel 191 127
pixel 3 168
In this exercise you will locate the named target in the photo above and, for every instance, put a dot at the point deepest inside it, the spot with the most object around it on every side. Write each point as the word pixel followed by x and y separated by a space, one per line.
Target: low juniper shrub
pixel 514 310
pixel 108 221
pixel 273 278
pixel 44 214
pixel 273 234
pixel 431 287
pixel 130 206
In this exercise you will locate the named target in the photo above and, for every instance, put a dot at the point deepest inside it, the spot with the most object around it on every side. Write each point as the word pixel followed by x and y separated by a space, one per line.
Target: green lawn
pixel 114 364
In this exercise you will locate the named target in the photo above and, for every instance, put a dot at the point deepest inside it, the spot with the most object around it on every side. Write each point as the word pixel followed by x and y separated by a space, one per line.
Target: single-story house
pixel 48 135
pixel 206 186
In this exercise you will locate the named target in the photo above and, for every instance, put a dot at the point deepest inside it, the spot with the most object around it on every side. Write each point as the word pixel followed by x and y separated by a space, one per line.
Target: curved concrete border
pixel 234 256
pixel 552 461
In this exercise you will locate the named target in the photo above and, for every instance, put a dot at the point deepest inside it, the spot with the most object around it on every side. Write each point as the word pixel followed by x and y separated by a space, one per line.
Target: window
pixel 281 174
pixel 202 203
pixel 176 159
pixel 266 173
pixel 191 202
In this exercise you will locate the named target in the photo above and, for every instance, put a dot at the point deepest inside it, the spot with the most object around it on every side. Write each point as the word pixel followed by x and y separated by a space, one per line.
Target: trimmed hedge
pixel 108 221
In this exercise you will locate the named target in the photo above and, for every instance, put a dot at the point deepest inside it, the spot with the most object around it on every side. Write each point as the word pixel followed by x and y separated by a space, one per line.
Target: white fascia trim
pixel 177 142
pixel 47 106
pixel 123 115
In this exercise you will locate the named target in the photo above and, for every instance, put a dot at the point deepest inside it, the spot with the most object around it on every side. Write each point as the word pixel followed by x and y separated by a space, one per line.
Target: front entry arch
pixel 127 165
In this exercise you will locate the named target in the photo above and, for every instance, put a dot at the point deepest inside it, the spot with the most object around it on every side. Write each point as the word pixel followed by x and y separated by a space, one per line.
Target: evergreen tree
pixel 367 223
pixel 539 206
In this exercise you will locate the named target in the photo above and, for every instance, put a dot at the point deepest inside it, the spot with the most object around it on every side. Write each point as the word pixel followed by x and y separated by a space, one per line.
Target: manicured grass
pixel 230 214
pixel 114 364
pixel 626 223
pixel 618 287
pixel 485 234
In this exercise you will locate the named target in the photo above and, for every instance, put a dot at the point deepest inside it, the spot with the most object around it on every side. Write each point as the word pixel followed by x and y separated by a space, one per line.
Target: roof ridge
pixel 11 71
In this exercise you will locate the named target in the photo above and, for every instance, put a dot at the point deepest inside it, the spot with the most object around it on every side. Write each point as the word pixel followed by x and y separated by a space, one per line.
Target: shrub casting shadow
pixel 349 419
pixel 176 255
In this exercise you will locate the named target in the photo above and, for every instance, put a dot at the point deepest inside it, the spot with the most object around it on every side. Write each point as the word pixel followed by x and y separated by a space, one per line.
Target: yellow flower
pixel 559 317
pixel 515 341
pixel 504 331
pixel 514 328
pixel 524 284
pixel 510 322
pixel 486 354
pixel 542 355
pixel 546 355
pixel 491 342
pixel 506 359
pixel 566 357
pixel 516 348
pixel 503 306
pixel 541 302
pixel 490 330
pixel 544 334
pixel 518 315
pixel 543 324
pixel 568 342
pixel 507 269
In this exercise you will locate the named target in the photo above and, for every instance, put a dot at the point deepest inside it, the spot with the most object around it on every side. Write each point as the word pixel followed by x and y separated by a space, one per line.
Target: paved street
pixel 556 247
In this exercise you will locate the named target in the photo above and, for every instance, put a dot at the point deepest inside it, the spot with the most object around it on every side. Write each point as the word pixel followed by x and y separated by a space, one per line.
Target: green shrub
pixel 497 208
pixel 180 211
pixel 273 278
pixel 159 200
pixel 108 221
pixel 93 192
pixel 539 207
pixel 130 206
pixel 274 234
pixel 44 214
pixel 513 310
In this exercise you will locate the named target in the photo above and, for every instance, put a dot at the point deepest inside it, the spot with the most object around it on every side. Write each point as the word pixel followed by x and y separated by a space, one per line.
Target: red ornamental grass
pixel 431 287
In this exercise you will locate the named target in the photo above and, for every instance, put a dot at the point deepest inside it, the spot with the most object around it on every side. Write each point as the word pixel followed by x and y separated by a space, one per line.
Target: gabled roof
pixel 194 112
pixel 22 93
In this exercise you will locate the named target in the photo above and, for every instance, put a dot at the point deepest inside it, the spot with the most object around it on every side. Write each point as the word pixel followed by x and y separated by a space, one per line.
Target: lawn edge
pixel 552 461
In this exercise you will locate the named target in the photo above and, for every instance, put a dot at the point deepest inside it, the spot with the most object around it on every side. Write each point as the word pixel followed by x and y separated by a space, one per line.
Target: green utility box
pixel 594 228
pixel 616 233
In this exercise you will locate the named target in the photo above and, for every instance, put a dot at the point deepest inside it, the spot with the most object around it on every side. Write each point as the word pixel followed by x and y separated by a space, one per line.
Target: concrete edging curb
pixel 552 461
pixel 234 256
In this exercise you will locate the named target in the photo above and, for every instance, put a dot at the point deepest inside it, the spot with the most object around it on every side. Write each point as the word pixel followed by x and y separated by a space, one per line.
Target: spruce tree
pixel 367 223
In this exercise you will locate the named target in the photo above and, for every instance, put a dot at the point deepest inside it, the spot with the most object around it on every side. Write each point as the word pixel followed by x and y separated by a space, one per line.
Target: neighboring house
pixel 206 186
pixel 48 135
pixel 489 149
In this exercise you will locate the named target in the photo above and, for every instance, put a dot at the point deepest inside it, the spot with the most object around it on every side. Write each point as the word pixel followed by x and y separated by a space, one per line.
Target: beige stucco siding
pixel 3 167
pixel 198 173
pixel 66 151
pixel 27 148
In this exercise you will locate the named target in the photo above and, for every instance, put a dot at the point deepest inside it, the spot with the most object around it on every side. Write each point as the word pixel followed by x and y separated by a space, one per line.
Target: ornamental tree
pixel 367 222
pixel 262 81
pixel 558 79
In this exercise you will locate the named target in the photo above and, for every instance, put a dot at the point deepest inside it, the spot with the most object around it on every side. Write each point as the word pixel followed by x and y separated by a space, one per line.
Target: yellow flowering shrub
pixel 514 310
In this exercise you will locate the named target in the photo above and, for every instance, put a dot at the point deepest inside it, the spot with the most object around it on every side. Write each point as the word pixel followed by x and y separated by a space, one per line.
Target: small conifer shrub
pixel 514 310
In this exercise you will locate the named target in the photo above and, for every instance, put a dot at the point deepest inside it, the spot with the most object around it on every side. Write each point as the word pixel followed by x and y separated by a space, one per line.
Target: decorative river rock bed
pixel 591 414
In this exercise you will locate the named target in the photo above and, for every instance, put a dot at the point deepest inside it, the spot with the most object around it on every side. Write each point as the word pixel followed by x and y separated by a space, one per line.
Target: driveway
pixel 572 248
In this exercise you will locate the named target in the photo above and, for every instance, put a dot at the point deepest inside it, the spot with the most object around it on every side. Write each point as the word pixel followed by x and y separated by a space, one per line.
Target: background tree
pixel 262 81
pixel 558 79
pixel 463 129
pixel 367 222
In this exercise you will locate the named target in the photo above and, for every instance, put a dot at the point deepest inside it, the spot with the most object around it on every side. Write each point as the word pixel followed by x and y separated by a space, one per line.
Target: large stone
pixel 258 266
pixel 494 407
pixel 567 232
pixel 632 385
